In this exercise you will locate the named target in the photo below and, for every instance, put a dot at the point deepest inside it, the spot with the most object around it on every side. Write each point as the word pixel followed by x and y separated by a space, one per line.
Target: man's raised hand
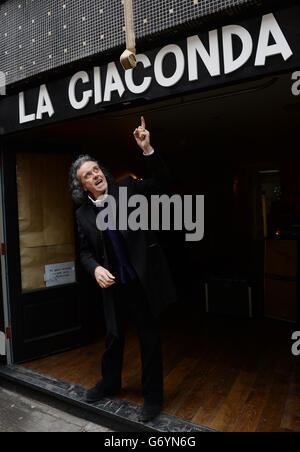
pixel 142 137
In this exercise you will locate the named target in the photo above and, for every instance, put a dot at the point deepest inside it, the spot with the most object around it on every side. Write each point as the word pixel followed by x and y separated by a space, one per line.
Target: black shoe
pixel 99 391
pixel 149 412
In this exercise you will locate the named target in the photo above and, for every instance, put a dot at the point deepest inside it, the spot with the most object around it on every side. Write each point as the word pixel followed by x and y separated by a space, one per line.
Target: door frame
pixel 65 339
pixel 4 298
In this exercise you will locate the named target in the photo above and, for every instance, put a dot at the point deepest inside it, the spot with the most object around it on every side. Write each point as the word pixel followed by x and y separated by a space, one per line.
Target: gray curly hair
pixel 79 196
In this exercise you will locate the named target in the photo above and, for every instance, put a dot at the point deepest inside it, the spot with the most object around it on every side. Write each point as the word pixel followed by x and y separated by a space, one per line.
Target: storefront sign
pixel 233 53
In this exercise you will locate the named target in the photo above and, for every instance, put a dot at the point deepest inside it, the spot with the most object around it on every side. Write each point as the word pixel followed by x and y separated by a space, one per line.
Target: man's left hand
pixel 142 137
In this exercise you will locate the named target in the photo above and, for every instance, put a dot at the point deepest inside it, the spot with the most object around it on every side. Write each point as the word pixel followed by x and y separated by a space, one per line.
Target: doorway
pixel 47 303
pixel 219 368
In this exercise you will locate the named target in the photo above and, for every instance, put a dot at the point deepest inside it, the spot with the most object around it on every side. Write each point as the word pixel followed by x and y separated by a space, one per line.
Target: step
pixel 115 412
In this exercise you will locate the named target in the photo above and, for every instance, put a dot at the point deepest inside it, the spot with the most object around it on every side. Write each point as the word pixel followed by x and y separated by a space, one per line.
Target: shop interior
pixel 227 343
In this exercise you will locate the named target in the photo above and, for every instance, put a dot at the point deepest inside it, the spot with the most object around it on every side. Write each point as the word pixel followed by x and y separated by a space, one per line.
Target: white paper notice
pixel 2 344
pixel 57 274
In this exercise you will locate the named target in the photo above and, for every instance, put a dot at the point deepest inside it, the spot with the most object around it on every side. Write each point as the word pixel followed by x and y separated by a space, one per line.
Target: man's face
pixel 92 179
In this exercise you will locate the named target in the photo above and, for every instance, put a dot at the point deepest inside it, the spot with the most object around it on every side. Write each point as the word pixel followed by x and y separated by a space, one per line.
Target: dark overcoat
pixel 145 253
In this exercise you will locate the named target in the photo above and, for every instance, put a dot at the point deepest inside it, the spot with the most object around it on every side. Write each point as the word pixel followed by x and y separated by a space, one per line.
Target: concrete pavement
pixel 23 410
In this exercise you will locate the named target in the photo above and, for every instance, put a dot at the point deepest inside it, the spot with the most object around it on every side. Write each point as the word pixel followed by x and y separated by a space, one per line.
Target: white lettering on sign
pixel 161 79
pixel 97 85
pixel 101 88
pixel 44 106
pixel 270 28
pixel 210 59
pixel 44 103
pixel 231 64
pixel 23 118
pixel 138 89
pixel 113 82
pixel 84 78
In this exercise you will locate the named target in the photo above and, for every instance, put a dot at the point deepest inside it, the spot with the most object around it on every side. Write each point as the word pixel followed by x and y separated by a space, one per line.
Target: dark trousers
pixel 130 297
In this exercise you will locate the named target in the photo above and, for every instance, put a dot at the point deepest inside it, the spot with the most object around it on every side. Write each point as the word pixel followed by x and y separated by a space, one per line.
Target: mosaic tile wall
pixel 40 35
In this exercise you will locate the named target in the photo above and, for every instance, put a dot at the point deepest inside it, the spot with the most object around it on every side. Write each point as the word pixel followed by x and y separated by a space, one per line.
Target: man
pixel 131 269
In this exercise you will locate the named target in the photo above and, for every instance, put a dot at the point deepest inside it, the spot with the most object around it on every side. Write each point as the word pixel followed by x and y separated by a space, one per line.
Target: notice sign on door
pixel 2 344
pixel 58 274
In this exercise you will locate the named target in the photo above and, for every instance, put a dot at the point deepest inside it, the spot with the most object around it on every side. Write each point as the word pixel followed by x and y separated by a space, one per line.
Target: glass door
pixel 46 304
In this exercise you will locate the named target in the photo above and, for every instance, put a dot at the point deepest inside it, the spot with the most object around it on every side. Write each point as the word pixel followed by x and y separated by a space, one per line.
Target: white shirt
pixel 99 202
pixel 150 153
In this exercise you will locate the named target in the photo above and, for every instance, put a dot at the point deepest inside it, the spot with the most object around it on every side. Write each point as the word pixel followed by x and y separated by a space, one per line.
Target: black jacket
pixel 145 253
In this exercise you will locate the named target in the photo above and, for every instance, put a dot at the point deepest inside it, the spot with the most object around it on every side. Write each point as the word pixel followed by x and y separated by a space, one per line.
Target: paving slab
pixel 19 413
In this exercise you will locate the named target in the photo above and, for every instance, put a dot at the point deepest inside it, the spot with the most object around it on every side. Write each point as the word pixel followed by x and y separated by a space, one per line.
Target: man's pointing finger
pixel 143 123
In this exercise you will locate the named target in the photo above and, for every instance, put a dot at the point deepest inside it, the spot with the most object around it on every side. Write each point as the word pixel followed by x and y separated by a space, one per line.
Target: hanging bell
pixel 128 59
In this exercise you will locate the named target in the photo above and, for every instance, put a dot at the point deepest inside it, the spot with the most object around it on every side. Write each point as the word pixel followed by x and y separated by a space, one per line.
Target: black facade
pixel 212 58
pixel 39 37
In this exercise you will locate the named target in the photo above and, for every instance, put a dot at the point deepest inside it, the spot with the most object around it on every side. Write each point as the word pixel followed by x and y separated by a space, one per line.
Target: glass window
pixel 46 223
